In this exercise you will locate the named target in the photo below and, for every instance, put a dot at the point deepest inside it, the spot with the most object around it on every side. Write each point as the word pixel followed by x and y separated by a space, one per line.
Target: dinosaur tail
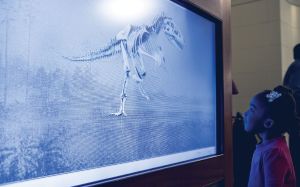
pixel 106 52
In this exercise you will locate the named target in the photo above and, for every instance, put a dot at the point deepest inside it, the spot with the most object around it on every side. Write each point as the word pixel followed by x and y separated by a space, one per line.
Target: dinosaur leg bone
pixel 123 97
pixel 139 72
pixel 127 72
pixel 142 74
pixel 141 65
pixel 142 91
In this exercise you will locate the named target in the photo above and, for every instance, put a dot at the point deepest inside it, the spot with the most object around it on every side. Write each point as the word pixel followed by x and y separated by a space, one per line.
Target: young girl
pixel 272 113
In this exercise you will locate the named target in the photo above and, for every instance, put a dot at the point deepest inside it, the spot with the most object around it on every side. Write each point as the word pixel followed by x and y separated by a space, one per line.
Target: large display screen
pixel 92 90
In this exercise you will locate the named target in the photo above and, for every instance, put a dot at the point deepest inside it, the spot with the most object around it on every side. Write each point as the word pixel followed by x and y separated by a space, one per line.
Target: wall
pixel 256 48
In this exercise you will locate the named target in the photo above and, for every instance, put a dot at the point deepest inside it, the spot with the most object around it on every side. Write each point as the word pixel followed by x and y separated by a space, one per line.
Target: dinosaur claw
pixel 119 114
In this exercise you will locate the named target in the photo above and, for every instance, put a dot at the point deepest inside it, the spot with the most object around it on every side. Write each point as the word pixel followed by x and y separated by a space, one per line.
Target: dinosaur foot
pixel 119 114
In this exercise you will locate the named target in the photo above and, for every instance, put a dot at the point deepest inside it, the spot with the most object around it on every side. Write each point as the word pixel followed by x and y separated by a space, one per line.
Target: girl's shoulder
pixel 278 151
pixel 273 145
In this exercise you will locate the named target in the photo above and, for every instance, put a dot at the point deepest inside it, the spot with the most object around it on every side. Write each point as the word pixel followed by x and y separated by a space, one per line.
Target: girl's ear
pixel 268 123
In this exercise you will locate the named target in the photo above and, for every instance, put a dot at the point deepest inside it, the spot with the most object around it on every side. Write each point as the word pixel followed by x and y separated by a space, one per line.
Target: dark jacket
pixel 292 76
pixel 292 80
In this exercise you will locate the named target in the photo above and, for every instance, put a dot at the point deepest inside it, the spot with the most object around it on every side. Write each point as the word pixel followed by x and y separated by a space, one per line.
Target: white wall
pixel 256 48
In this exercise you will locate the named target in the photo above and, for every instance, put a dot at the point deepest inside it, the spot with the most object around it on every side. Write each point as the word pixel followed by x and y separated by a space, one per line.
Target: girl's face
pixel 254 116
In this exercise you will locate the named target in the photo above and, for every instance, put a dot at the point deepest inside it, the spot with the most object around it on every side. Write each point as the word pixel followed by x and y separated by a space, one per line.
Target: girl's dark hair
pixel 282 110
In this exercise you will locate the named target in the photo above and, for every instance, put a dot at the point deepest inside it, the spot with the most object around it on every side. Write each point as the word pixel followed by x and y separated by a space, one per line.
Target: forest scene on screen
pixel 81 89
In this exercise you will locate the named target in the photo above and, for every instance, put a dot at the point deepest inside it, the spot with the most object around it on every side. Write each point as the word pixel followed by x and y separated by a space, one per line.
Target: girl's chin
pixel 247 129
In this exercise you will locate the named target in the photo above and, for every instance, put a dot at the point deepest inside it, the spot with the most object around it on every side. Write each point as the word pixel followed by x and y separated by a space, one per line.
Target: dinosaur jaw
pixel 177 42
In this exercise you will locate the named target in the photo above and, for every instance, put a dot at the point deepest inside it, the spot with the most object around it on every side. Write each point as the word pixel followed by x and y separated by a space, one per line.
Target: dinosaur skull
pixel 172 33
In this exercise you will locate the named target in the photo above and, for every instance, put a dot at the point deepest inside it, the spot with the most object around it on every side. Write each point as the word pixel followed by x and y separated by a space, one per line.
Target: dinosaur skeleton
pixel 133 42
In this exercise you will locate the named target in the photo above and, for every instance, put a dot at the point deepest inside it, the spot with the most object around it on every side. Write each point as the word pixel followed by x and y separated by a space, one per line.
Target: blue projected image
pixel 85 87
